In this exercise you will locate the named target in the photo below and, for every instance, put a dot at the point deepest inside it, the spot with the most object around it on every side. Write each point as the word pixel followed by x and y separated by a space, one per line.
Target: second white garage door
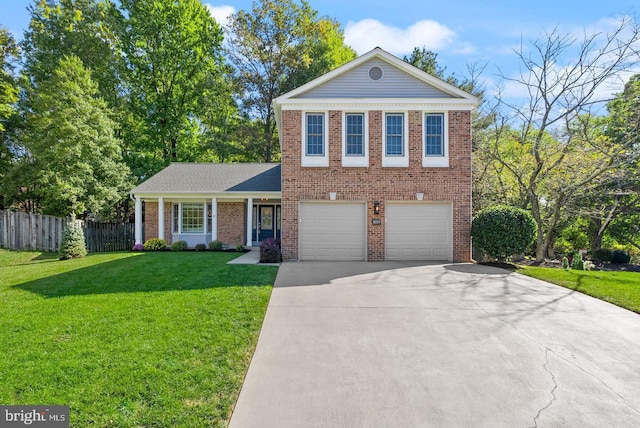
pixel 332 231
pixel 418 231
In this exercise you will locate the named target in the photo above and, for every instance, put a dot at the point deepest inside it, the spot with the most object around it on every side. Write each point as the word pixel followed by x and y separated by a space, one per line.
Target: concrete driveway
pixel 401 345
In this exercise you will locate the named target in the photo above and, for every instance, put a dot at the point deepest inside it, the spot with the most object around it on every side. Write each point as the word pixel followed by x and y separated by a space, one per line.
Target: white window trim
pixel 396 161
pixel 180 231
pixel 436 161
pixel 315 160
pixel 355 161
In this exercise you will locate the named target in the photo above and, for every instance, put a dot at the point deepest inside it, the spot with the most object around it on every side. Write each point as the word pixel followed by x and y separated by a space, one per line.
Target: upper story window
pixel 395 140
pixel 436 147
pixel 394 137
pixel 315 134
pixel 314 140
pixel 354 134
pixel 433 134
pixel 355 145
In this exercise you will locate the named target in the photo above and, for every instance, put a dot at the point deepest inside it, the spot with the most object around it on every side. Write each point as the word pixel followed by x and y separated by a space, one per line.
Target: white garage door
pixel 418 231
pixel 332 231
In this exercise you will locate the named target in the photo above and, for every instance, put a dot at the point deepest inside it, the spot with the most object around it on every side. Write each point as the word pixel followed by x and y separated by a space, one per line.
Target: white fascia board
pixel 209 195
pixel 378 104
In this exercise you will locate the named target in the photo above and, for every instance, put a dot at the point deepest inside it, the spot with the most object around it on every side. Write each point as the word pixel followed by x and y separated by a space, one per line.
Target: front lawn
pixel 130 339
pixel 619 288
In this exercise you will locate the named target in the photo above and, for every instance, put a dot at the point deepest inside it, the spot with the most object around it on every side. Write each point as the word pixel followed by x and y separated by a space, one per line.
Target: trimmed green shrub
pixel 72 245
pixel 565 263
pixel 179 246
pixel 155 244
pixel 620 257
pixel 503 231
pixel 602 255
pixel 577 263
pixel 270 251
pixel 201 247
pixel 215 246
pixel 239 247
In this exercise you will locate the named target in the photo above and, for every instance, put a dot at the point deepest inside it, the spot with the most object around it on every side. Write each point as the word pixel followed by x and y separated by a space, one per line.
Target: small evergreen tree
pixel 72 246
pixel 577 263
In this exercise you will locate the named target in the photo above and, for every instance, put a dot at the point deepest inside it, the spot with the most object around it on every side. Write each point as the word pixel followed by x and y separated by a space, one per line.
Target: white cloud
pixel 221 13
pixel 369 33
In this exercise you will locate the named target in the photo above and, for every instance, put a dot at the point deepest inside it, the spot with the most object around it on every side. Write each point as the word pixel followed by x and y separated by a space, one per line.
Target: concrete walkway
pixel 250 258
pixel 399 345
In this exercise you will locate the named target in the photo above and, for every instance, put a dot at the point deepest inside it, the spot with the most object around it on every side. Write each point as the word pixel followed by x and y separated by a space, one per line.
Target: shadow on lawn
pixel 151 272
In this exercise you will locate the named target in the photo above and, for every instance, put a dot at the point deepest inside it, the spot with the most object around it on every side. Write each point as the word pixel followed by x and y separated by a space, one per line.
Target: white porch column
pixel 214 219
pixel 161 218
pixel 249 221
pixel 138 220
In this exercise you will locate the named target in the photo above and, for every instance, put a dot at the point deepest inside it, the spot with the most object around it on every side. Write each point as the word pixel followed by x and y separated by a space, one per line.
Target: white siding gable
pixel 355 83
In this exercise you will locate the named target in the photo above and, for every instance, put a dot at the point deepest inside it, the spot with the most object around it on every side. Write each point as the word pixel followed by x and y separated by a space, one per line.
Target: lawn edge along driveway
pixel 381 344
pixel 130 339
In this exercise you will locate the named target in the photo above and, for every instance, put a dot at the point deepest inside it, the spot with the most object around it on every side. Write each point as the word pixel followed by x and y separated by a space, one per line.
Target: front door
pixel 266 222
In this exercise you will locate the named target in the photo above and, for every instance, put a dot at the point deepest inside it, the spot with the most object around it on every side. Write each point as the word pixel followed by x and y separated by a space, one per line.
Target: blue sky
pixel 459 31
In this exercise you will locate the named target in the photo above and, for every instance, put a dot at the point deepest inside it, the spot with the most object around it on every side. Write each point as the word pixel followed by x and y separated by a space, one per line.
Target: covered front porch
pixel 231 220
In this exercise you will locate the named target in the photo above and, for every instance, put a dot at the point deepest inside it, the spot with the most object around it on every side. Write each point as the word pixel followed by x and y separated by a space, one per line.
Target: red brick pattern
pixel 151 221
pixel 231 223
pixel 375 183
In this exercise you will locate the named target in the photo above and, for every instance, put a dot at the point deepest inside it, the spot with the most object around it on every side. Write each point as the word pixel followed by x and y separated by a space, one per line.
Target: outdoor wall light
pixel 376 207
pixel 332 196
pixel 419 196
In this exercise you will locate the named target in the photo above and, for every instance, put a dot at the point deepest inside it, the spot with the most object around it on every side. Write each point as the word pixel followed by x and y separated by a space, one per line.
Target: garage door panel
pixel 418 231
pixel 332 231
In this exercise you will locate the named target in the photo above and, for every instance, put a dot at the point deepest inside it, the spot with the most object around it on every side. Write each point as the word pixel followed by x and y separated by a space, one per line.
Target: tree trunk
pixel 268 137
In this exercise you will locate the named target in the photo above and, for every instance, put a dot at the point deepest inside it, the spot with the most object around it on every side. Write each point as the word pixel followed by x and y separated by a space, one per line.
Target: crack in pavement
pixel 553 390
pixel 547 349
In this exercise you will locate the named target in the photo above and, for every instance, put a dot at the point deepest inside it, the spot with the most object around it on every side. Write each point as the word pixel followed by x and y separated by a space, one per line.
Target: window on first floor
pixel 188 217
pixel 176 218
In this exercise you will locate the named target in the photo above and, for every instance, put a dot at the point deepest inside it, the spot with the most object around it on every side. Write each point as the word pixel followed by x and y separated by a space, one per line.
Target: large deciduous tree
pixel 70 161
pixel 172 51
pixel 548 145
pixel 83 28
pixel 276 46
pixel 8 97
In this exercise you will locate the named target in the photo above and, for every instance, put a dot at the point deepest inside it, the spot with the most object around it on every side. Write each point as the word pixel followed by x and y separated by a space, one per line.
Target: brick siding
pixel 375 183
pixel 231 223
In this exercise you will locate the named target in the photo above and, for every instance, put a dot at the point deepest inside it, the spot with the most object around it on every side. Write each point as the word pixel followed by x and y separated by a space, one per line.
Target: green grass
pixel 620 288
pixel 130 339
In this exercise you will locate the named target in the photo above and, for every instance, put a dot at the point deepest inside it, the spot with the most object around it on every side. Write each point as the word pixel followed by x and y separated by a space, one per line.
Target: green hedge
pixel 503 231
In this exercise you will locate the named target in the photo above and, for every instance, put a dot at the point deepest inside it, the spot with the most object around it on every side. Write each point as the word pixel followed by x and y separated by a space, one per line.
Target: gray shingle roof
pixel 214 178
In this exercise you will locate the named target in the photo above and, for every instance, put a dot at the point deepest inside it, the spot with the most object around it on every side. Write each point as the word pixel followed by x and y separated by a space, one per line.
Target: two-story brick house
pixel 376 165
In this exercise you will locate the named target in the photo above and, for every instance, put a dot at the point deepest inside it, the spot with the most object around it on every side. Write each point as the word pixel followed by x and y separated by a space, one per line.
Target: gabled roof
pixel 454 91
pixel 212 178
pixel 304 95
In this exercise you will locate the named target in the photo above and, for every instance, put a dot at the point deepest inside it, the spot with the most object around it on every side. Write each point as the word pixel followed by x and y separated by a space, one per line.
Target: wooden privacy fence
pixel 28 231
pixel 104 237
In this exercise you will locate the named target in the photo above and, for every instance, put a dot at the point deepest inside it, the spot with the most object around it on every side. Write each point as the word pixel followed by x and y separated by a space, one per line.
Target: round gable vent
pixel 375 73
